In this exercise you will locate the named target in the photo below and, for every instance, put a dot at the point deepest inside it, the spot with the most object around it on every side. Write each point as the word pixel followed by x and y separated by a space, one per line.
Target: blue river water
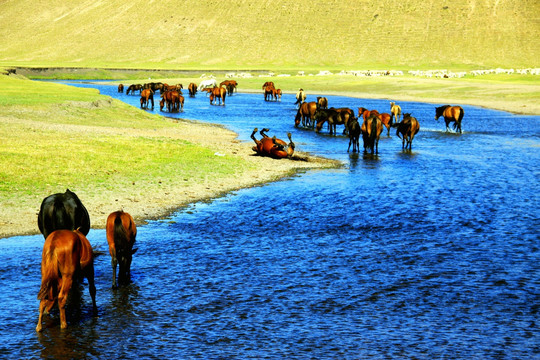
pixel 428 254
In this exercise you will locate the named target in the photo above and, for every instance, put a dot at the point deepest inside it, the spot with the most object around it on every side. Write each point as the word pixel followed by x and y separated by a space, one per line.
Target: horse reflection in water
pixel 121 232
pixel 271 146
pixel 67 257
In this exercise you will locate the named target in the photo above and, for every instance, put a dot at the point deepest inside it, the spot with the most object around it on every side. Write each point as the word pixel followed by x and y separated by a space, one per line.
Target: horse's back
pixel 63 211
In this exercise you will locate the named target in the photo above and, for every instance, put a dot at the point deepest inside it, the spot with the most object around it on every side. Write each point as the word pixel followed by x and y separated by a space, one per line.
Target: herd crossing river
pixel 427 254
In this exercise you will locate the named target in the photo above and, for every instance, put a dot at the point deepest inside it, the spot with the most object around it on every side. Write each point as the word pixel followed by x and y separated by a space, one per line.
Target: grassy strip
pixel 56 137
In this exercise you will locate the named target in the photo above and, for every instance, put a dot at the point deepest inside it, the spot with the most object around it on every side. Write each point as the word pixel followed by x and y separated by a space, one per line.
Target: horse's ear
pixel 134 251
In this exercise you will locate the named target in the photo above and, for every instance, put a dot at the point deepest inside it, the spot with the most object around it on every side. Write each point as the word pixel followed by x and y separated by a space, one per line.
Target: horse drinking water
pixel 121 232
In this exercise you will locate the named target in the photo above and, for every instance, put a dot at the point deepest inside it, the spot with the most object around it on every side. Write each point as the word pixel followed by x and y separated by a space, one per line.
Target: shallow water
pixel 426 254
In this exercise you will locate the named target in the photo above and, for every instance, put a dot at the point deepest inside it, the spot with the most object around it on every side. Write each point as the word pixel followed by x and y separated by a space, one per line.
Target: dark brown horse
pixel 121 232
pixel 67 257
pixel 305 114
pixel 271 146
pixel 331 116
pixel 346 114
pixel 371 132
pixel 146 96
pixel 269 92
pixel 192 89
pixel 134 87
pixel 408 128
pixel 450 114
pixel 120 88
pixel 354 130
pixel 63 211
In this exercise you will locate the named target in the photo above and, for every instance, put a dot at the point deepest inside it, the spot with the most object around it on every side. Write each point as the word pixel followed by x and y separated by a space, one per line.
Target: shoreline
pixel 160 200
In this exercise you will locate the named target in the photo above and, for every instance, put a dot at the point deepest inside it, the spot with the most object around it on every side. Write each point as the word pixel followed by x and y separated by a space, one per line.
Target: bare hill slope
pixel 245 34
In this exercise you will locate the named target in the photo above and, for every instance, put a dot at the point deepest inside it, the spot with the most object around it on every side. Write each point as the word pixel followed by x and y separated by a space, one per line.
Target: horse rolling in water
pixel 63 211
pixel 121 232
pixel 408 128
pixel 271 146
pixel 67 256
pixel 450 114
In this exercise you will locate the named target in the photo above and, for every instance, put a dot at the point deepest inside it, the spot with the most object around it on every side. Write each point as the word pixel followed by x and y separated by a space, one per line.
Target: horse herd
pixel 171 95
pixel 67 255
pixel 314 114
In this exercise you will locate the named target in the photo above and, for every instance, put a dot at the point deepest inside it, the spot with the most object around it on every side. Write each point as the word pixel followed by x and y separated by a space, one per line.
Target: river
pixel 428 254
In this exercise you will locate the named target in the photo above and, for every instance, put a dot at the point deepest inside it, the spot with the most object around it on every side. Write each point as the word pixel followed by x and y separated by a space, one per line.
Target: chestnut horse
pixel 346 114
pixel 408 127
pixel 230 85
pixel 269 92
pixel 271 146
pixel 218 93
pixel 450 113
pixel 395 111
pixel 173 100
pixel 147 95
pixel 120 88
pixel 371 131
pixel 192 89
pixel 121 232
pixel 63 211
pixel 386 119
pixel 67 256
pixel 306 111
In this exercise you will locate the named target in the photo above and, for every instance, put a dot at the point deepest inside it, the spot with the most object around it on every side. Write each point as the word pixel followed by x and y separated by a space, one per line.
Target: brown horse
pixel 269 92
pixel 322 102
pixel 395 111
pixel 332 116
pixel 386 119
pixel 133 88
pixel 371 132
pixel 271 146
pixel 147 95
pixel 172 99
pixel 121 232
pixel 120 88
pixel 306 112
pixel 67 256
pixel 268 83
pixel 230 85
pixel 346 114
pixel 192 89
pixel 354 130
pixel 278 94
pixel 450 113
pixel 408 127
pixel 218 93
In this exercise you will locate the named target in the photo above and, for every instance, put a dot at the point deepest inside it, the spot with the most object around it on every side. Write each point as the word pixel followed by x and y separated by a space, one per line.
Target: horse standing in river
pixel 408 128
pixel 332 116
pixel 121 232
pixel 386 119
pixel 354 130
pixel 305 112
pixel 451 114
pixel 146 96
pixel 67 257
pixel 63 211
pixel 134 87
pixel 300 97
pixel 371 132
pixel 120 88
pixel 395 112
pixel 192 89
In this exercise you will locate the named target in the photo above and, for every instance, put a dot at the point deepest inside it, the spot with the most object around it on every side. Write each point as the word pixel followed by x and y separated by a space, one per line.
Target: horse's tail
pixel 461 114
pixel 120 234
pixel 49 276
pixel 374 127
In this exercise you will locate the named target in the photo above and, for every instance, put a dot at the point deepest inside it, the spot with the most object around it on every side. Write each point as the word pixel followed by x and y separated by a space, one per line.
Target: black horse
pixel 63 211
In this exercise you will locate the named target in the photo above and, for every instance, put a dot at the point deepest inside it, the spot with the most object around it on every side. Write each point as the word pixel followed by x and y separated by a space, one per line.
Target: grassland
pixel 278 34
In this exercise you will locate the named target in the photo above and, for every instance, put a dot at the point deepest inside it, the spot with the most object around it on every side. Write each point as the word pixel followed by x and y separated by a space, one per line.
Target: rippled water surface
pixel 430 254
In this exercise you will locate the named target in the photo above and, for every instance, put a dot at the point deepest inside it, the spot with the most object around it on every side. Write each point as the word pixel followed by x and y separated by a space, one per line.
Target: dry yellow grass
pixel 278 34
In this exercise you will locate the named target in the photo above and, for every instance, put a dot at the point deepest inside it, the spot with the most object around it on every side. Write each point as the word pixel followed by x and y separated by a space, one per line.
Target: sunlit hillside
pixel 246 34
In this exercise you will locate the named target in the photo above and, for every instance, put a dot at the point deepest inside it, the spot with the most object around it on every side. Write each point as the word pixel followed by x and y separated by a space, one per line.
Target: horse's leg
pixel 91 286
pixel 114 262
pixel 41 308
pixel 67 281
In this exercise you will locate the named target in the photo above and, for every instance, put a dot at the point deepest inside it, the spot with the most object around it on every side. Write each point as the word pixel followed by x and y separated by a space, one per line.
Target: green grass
pixel 55 137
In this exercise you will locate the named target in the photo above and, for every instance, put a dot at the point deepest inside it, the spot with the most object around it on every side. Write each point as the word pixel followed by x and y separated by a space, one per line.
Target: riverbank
pixel 158 199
